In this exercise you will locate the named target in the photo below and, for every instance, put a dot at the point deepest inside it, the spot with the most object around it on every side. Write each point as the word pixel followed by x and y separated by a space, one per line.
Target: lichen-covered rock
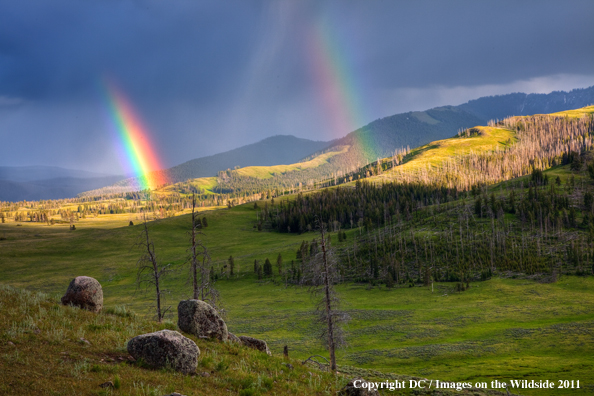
pixel 233 338
pixel 165 348
pixel 255 343
pixel 84 292
pixel 358 387
pixel 200 319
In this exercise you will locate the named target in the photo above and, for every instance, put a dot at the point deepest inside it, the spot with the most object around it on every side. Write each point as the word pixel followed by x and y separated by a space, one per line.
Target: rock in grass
pixel 165 348
pixel 355 388
pixel 84 292
pixel 233 339
pixel 255 343
pixel 200 319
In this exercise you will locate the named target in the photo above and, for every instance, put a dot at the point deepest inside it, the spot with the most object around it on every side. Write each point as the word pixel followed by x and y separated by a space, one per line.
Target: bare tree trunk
pixel 149 272
pixel 155 274
pixel 194 263
pixel 328 302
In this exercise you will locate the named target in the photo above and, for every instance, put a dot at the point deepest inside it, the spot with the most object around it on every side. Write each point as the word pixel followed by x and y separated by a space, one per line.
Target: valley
pixel 453 279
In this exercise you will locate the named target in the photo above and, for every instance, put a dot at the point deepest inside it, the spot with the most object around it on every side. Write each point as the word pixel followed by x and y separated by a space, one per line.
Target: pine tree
pixel 389 280
pixel 231 265
pixel 267 268
pixel 279 264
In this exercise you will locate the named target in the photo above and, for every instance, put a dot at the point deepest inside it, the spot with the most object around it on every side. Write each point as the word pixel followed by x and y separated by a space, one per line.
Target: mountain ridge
pixel 41 172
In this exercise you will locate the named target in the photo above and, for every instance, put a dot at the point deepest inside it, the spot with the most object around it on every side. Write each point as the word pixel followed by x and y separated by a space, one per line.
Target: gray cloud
pixel 207 76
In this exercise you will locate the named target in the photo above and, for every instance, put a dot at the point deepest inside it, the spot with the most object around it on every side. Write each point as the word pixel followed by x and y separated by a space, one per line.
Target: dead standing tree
pixel 149 273
pixel 321 275
pixel 202 286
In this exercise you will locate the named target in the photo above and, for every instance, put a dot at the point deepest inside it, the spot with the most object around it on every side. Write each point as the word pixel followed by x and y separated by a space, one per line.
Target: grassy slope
pixel 266 172
pixel 260 172
pixel 207 184
pixel 577 113
pixel 437 152
pixel 49 356
pixel 490 138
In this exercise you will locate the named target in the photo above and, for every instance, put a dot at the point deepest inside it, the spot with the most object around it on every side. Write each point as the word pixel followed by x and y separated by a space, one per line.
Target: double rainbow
pixel 135 146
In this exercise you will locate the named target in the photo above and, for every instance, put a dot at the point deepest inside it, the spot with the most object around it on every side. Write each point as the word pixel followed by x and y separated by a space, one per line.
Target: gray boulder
pixel 351 390
pixel 165 348
pixel 255 343
pixel 84 292
pixel 200 319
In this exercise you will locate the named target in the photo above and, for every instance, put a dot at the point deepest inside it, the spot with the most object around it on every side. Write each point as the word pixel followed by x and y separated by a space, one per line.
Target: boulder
pixel 84 292
pixel 200 319
pixel 351 390
pixel 233 338
pixel 165 348
pixel 255 343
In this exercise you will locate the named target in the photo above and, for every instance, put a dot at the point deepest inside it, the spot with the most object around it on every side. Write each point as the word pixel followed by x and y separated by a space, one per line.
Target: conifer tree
pixel 231 265
pixel 279 264
pixel 267 268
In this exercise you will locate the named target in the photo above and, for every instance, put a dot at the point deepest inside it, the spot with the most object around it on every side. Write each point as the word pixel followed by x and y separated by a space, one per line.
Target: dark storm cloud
pixel 62 48
pixel 207 76
pixel 475 43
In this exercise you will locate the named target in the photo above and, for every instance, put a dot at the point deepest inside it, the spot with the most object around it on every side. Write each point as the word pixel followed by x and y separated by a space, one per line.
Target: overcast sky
pixel 209 76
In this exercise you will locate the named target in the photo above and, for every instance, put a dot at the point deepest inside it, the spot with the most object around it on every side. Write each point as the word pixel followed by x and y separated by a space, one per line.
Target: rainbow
pixel 338 86
pixel 336 82
pixel 135 147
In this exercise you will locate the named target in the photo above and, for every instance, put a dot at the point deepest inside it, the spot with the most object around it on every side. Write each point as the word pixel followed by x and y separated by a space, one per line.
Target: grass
pixel 499 329
pixel 267 172
pixel 577 113
pixel 35 361
pixel 207 184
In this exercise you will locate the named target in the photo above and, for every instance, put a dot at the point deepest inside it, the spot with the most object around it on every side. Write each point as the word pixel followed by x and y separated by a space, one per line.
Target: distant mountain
pixel 521 104
pixel 31 173
pixel 275 150
pixel 57 188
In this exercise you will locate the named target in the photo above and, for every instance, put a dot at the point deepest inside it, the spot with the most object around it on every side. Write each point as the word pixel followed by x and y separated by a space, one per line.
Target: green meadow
pixel 503 328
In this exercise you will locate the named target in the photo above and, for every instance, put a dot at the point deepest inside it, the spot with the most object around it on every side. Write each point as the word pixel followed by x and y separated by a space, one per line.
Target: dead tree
pixel 149 272
pixel 202 286
pixel 321 275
